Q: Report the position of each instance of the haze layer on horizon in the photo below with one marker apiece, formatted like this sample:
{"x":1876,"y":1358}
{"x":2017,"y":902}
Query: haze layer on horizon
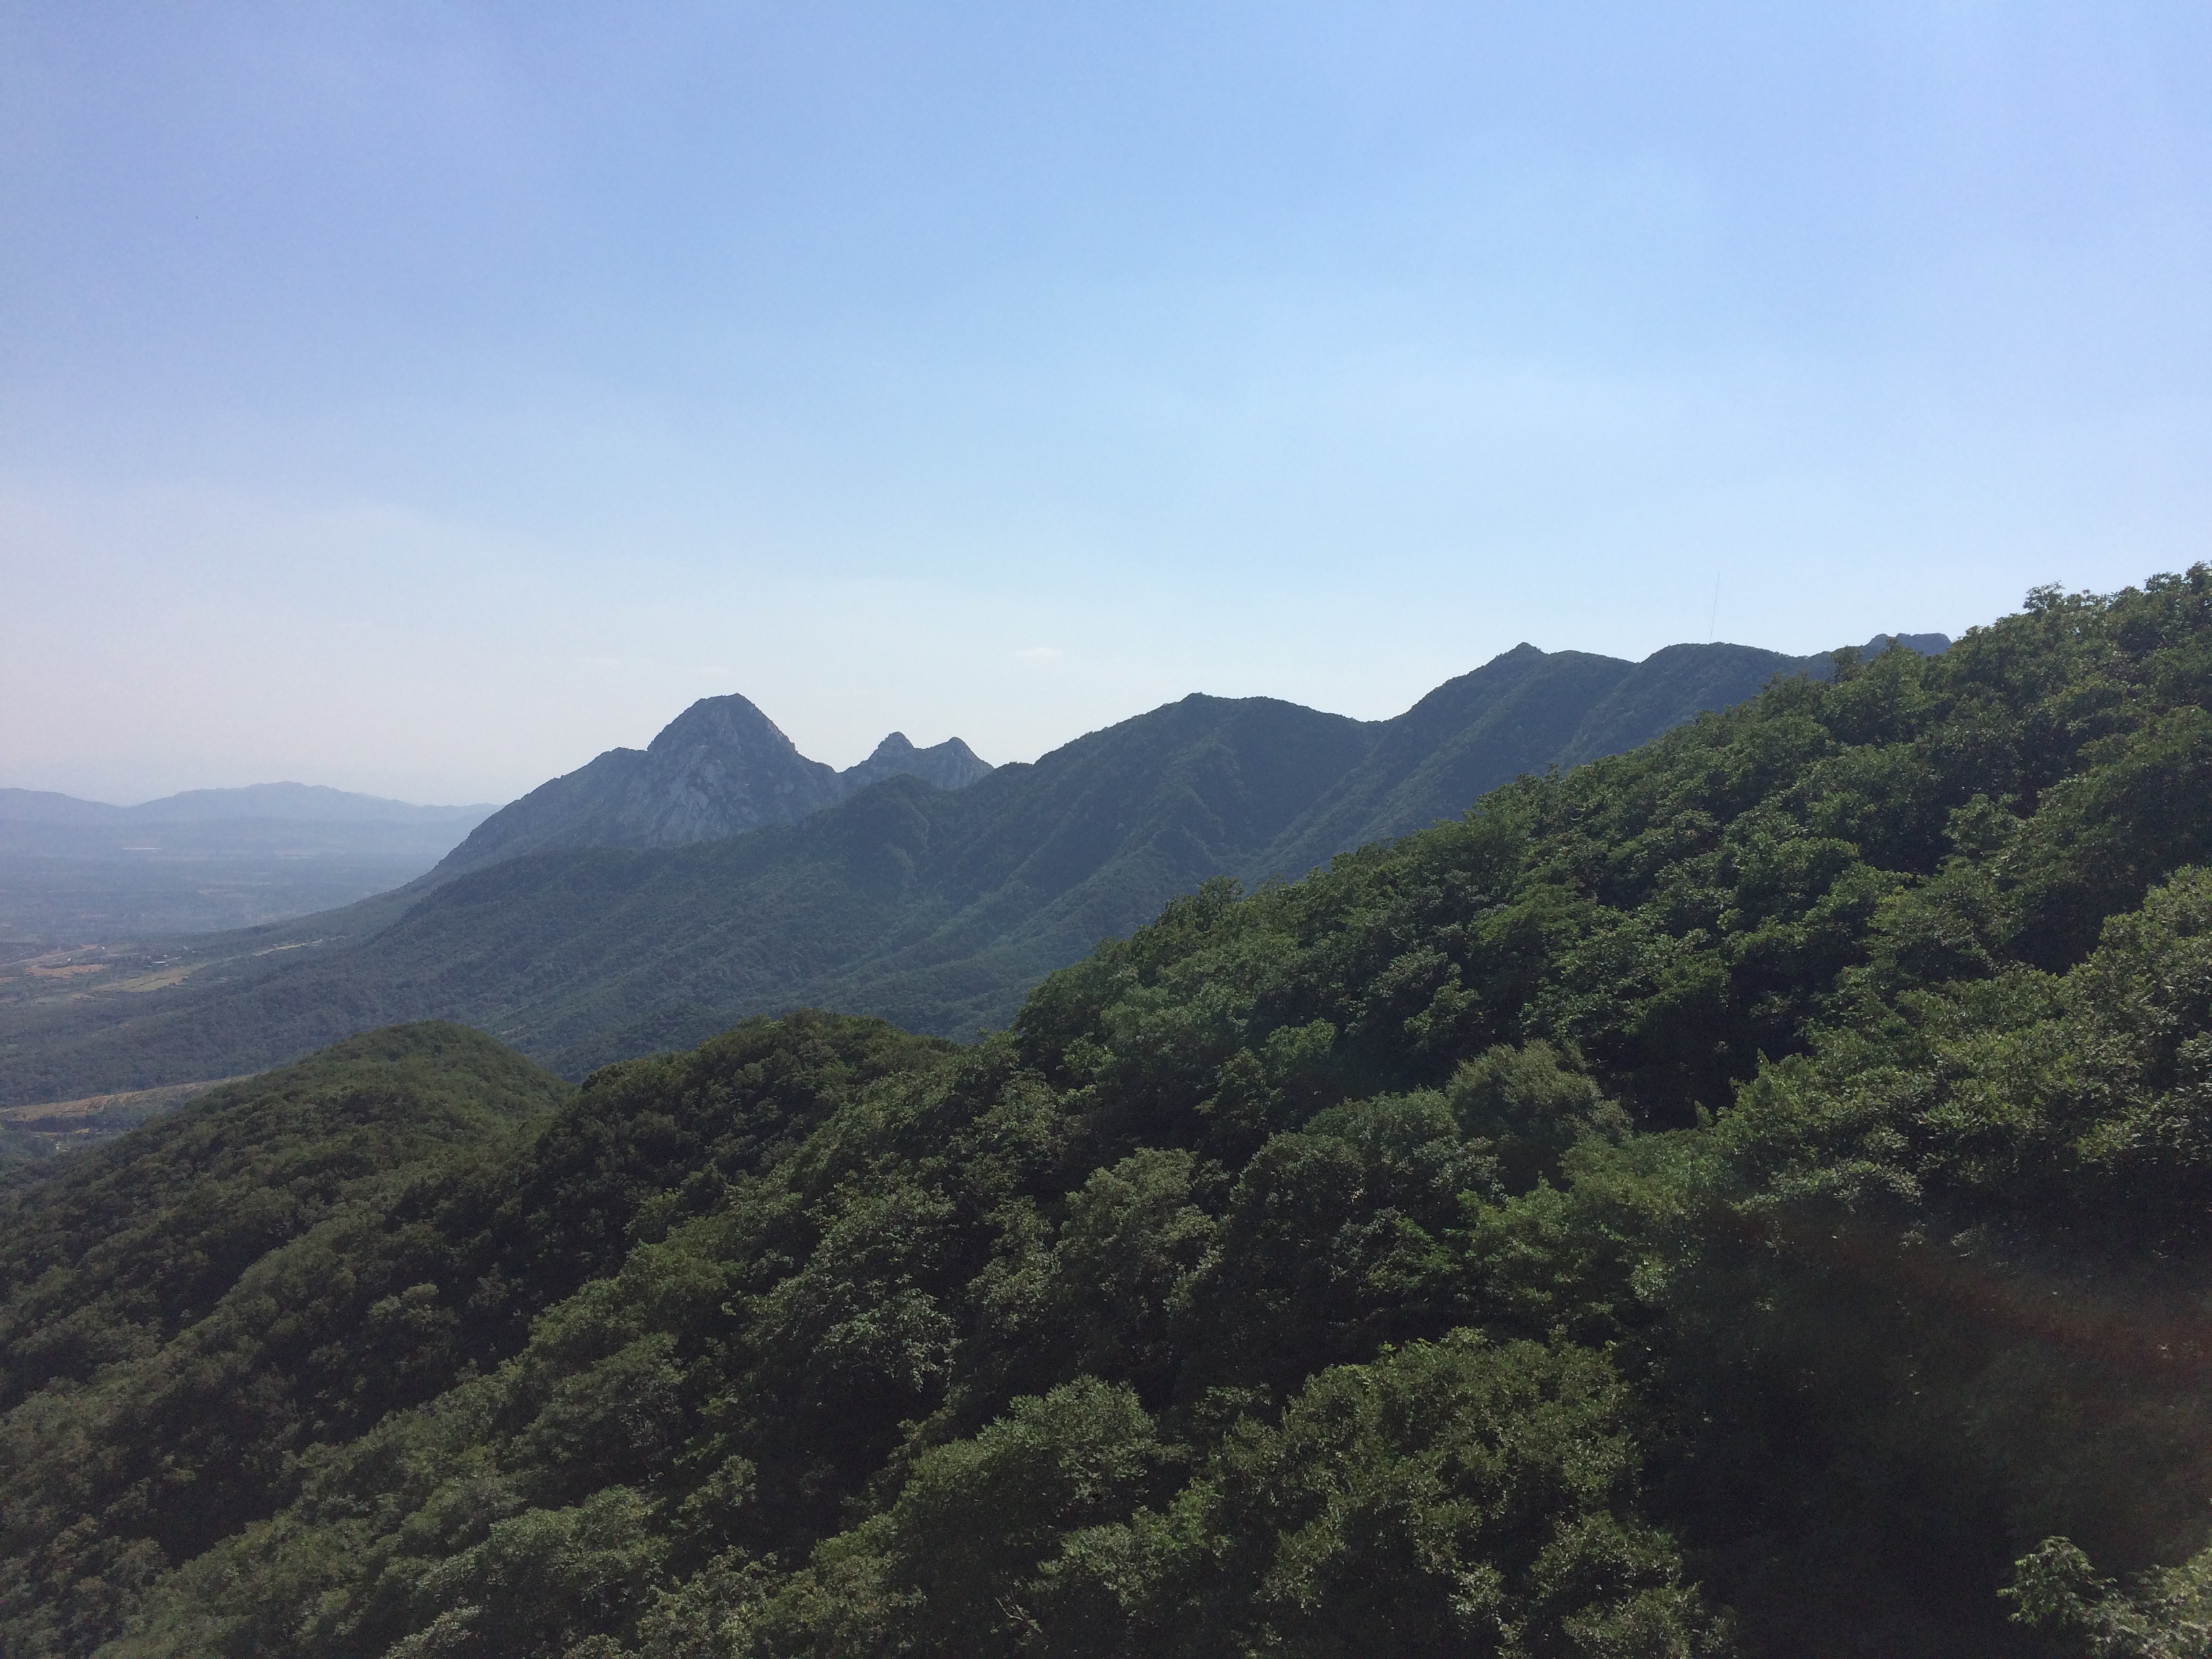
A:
{"x":419,"y":399}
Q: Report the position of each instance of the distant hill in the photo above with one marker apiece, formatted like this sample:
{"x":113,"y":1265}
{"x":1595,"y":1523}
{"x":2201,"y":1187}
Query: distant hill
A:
{"x":282,"y":803}
{"x":935,"y":909}
{"x":719,"y":767}
{"x":206,"y":860}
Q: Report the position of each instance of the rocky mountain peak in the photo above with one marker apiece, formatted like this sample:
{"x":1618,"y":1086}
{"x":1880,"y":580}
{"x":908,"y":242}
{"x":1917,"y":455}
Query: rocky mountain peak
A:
{"x":948,"y":765}
{"x":730,"y":723}
{"x":719,"y":767}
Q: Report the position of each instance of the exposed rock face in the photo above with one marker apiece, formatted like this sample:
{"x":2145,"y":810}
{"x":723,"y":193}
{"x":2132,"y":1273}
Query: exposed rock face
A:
{"x":719,"y":767}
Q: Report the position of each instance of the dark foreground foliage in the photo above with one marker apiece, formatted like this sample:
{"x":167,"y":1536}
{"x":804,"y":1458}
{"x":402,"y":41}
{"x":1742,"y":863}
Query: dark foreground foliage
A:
{"x":1750,"y":1194}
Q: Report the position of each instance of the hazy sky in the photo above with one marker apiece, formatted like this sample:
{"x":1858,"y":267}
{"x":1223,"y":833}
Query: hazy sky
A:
{"x":419,"y":399}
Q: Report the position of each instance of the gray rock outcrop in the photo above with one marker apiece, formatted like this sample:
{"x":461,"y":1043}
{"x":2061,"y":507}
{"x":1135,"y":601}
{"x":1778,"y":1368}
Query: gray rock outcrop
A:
{"x":720,"y":767}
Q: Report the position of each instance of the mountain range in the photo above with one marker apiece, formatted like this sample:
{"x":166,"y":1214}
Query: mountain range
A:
{"x":207,"y":860}
{"x":937,"y":908}
{"x":280,"y":803}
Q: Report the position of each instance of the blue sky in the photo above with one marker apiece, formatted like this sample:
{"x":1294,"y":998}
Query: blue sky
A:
{"x":419,"y":399}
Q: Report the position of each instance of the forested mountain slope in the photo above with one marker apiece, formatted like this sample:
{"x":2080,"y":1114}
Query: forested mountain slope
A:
{"x":1523,"y":712}
{"x":1746,"y":1195}
{"x":935,"y":909}
{"x":183,"y":1308}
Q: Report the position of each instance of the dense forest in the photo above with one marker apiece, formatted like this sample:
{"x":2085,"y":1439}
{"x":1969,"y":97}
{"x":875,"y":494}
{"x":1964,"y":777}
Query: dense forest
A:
{"x":1747,"y":1195}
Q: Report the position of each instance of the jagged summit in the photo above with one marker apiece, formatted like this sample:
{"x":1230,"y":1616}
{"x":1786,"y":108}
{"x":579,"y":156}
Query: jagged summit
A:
{"x":948,"y":765}
{"x":719,"y":767}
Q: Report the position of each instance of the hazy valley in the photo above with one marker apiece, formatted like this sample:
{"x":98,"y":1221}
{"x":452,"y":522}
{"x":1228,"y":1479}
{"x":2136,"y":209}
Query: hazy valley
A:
{"x":76,"y":872}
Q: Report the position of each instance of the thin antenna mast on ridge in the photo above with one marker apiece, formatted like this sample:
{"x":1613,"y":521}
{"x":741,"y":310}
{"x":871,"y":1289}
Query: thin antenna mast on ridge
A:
{"x":1713,"y":621}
